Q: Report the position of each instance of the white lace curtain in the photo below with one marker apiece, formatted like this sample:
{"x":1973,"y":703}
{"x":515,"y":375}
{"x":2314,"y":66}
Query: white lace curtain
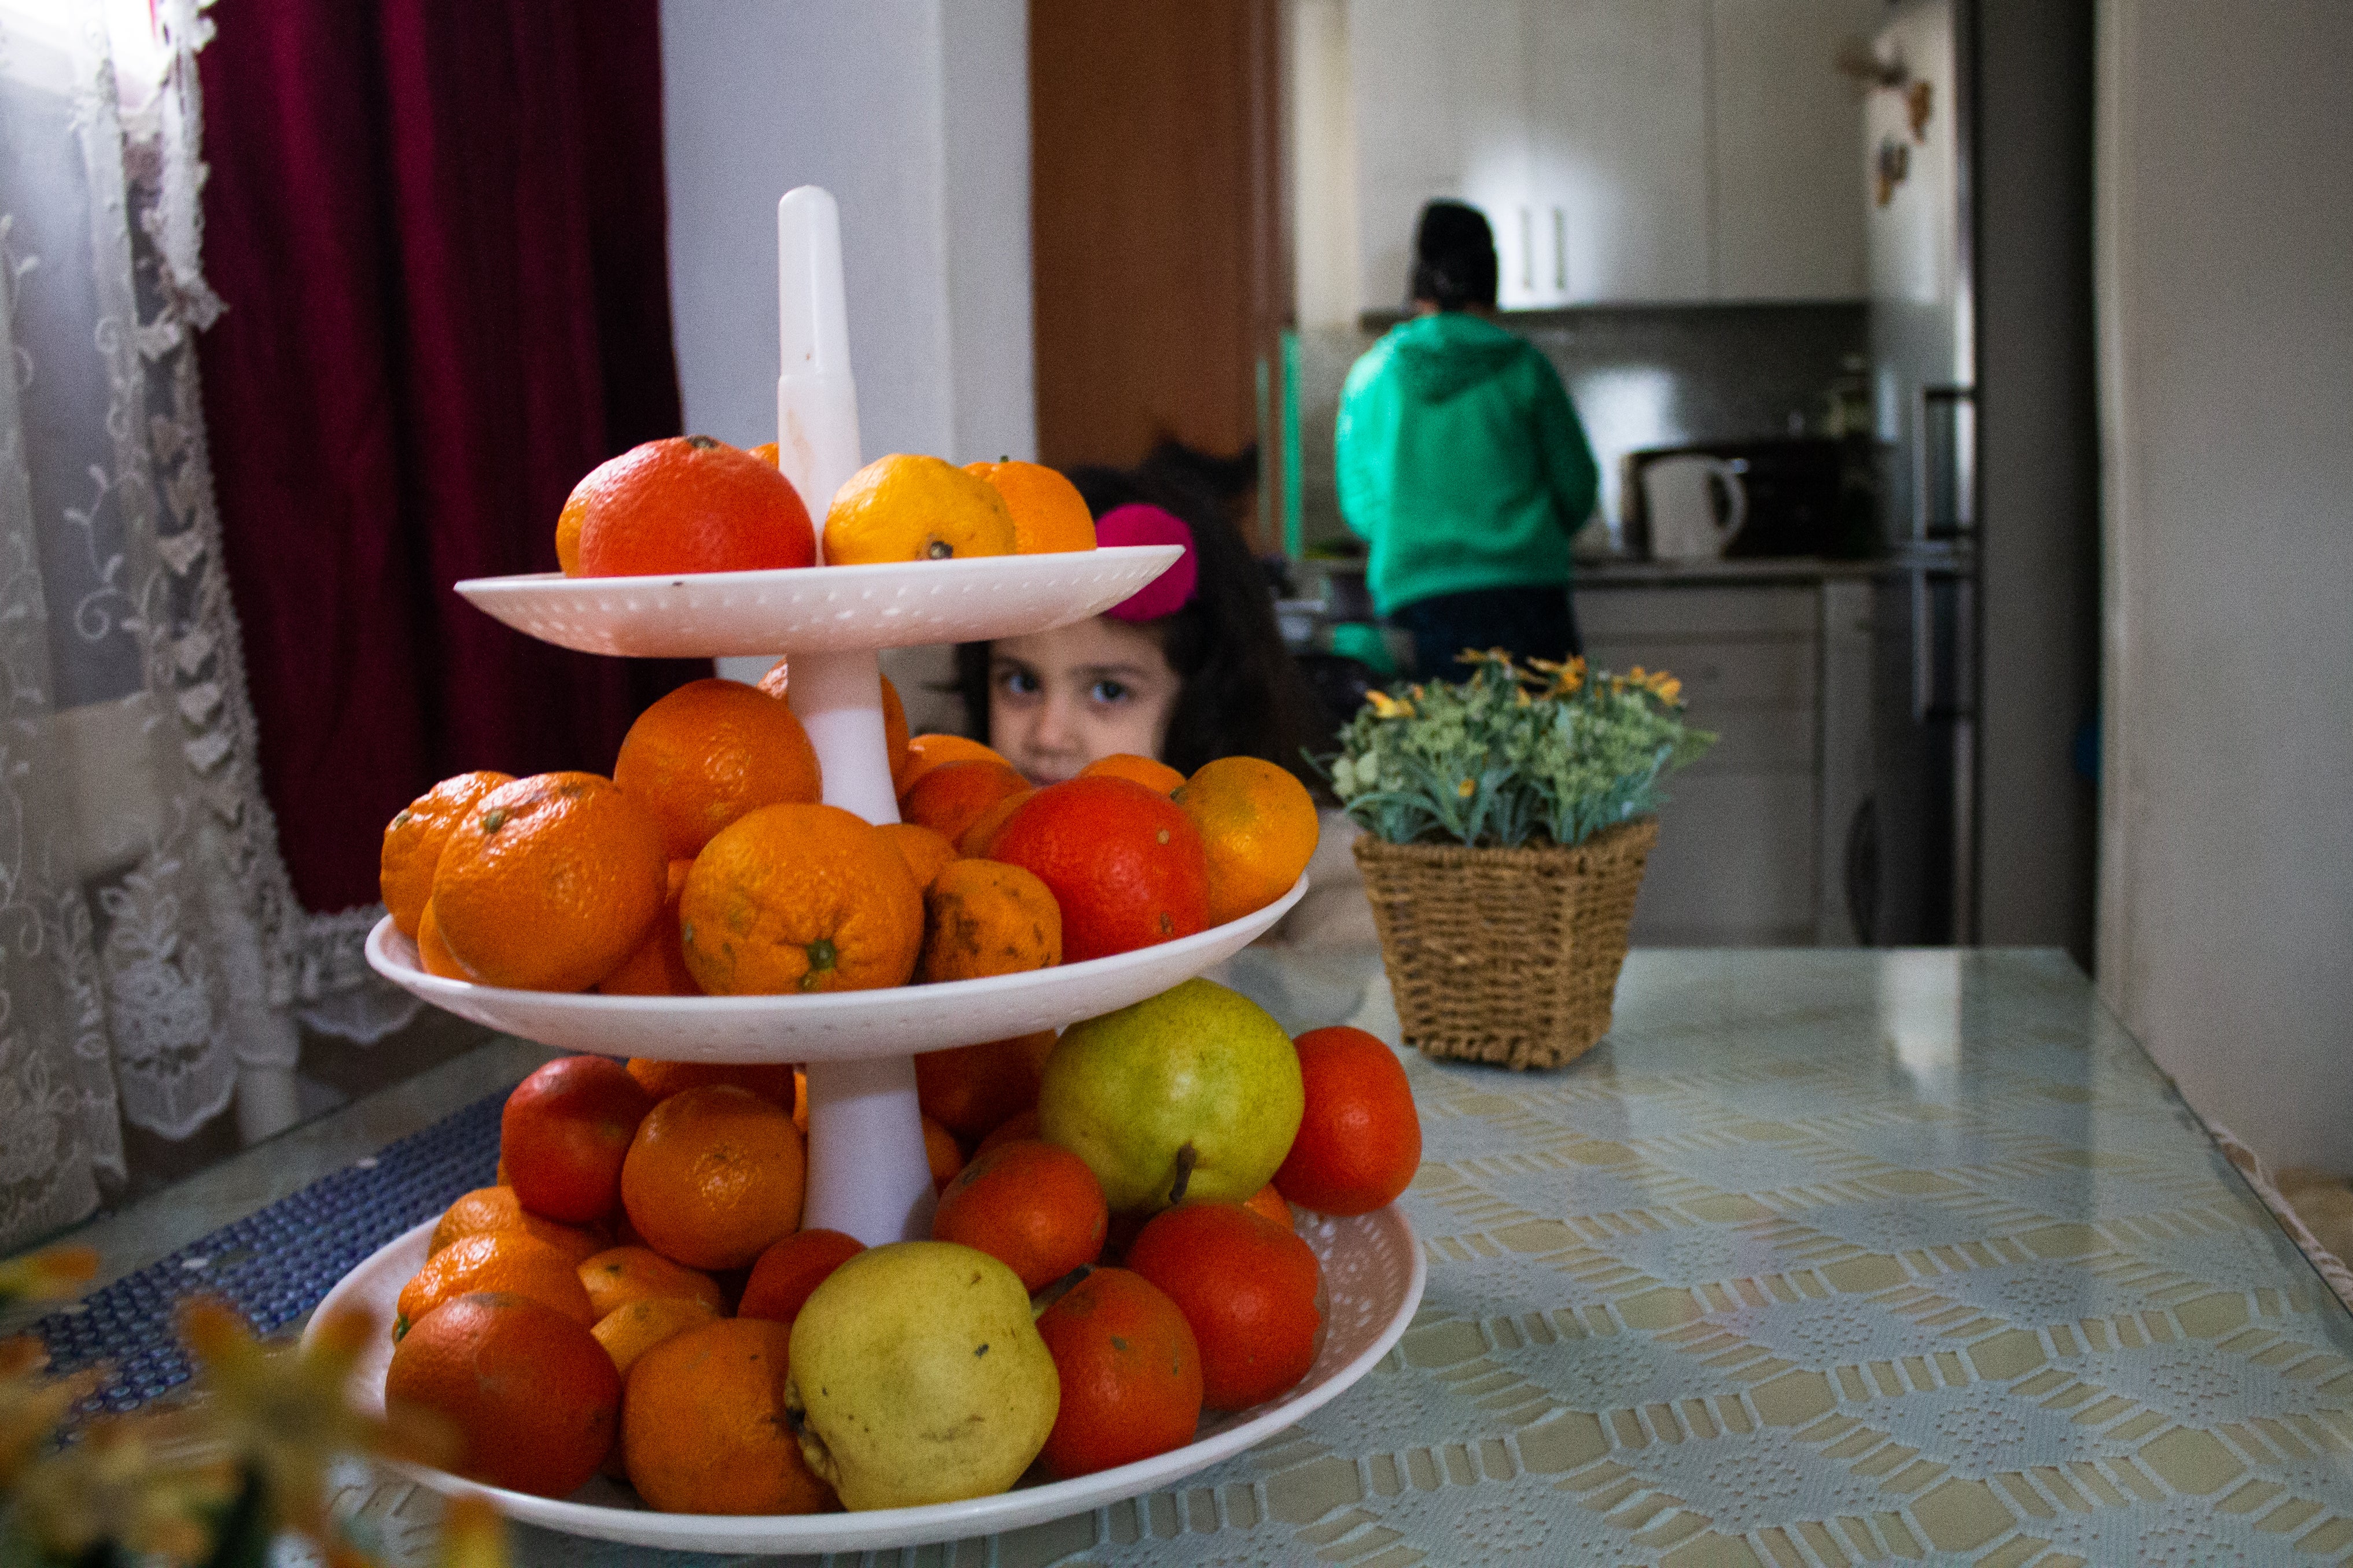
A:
{"x":153,"y":960}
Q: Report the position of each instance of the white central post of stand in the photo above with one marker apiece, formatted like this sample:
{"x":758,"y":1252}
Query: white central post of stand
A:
{"x":868,"y":1175}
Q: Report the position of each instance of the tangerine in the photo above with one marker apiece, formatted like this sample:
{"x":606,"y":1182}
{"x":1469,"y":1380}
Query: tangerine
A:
{"x":903,"y":506}
{"x":949,"y":799}
{"x":977,"y":838}
{"x":941,"y":1153}
{"x":563,"y":1133}
{"x":1258,"y":831}
{"x":629,"y":1331}
{"x":687,"y":503}
{"x":714,"y":1176}
{"x":777,"y":682}
{"x":1269,"y":1202}
{"x":507,"y":1260}
{"x":800,"y":898}
{"x":620,"y":1275}
{"x":983,"y":917}
{"x":1157,"y":776}
{"x":925,"y":752}
{"x":970,"y":1090}
{"x":550,"y":882}
{"x":497,"y":1208}
{"x":1126,"y":866}
{"x":1050,"y":516}
{"x":923,"y":849}
{"x":710,"y":751}
{"x":1130,"y":1372}
{"x":789,"y":1269}
{"x":658,"y":968}
{"x":1033,"y":1206}
{"x":772,"y":1081}
{"x":1246,"y":1288}
{"x":705,"y":1429}
{"x":413,"y":841}
{"x":433,"y":954}
{"x":533,"y":1397}
{"x":1020,"y":1126}
{"x":1360,"y":1140}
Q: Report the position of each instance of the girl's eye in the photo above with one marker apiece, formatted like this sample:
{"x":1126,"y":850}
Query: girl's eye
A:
{"x":1017,"y":682}
{"x":1107,"y":692}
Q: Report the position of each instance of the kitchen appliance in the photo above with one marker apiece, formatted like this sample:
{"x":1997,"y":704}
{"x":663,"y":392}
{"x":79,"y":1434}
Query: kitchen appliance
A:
{"x":1791,"y":496}
{"x":1912,"y":874}
{"x":1696,"y":504}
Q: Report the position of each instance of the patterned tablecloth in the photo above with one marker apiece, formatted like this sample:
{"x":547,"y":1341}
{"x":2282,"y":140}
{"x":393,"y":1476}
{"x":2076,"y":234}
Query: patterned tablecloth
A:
{"x":1822,"y":1258}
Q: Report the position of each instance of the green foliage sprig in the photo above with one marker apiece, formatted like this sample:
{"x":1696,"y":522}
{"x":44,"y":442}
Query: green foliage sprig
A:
{"x":1514,"y":754}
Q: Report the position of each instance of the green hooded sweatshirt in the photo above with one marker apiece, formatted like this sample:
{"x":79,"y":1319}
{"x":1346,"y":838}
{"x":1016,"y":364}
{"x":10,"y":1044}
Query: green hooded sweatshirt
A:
{"x":1461,"y":461}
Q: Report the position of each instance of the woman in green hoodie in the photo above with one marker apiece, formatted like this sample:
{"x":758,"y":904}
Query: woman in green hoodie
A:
{"x":1462,"y":464}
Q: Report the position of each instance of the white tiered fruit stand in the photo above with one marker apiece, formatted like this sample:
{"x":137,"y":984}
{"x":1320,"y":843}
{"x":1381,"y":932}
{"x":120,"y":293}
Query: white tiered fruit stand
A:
{"x":868,"y":1175}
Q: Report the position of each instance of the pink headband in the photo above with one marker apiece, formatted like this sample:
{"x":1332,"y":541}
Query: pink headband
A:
{"x":1137,"y":523}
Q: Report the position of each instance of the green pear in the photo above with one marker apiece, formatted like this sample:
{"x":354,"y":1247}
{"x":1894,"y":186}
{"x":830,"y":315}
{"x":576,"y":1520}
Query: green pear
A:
{"x":1194,"y":1093}
{"x":916,"y":1376}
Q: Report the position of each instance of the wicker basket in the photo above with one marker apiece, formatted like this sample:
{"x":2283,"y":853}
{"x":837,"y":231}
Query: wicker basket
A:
{"x":1506,"y":955}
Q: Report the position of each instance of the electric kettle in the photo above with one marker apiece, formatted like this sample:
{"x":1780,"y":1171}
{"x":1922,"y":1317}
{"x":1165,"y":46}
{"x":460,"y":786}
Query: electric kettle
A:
{"x":1696,"y":504}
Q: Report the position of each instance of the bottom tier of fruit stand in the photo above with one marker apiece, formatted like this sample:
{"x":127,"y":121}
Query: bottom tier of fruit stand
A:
{"x":1373,"y":1273}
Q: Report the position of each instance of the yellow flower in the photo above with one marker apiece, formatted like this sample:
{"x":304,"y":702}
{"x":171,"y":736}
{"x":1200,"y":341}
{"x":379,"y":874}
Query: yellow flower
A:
{"x":472,"y":1535}
{"x":1384,"y":706}
{"x":1566,"y":679}
{"x":152,"y":1484}
{"x":1467,"y":788}
{"x":52,"y":1276}
{"x":31,"y":1405}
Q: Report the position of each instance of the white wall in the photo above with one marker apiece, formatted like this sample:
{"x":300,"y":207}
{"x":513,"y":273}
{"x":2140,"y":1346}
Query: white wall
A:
{"x":1322,"y":162}
{"x":2226,"y":301}
{"x":915,"y":114}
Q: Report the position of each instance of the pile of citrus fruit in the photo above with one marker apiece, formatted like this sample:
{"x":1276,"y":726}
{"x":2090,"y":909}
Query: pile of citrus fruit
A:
{"x":690,"y":504}
{"x":705,"y":863}
{"x":1117,"y":1255}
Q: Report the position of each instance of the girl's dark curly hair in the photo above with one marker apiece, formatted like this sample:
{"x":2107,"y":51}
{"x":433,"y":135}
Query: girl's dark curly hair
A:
{"x":1241,"y":693}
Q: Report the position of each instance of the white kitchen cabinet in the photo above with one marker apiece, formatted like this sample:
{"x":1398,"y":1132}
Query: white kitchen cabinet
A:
{"x":1618,"y":202}
{"x":1626,"y":151}
{"x":1786,"y":154}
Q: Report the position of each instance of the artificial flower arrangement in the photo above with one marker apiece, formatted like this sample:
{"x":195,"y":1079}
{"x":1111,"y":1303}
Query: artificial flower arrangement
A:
{"x":1509,"y":818}
{"x":1544,"y":752}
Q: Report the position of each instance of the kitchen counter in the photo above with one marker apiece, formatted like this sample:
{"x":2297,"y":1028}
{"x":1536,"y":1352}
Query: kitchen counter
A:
{"x":1616,"y":573}
{"x":1821,"y":1257}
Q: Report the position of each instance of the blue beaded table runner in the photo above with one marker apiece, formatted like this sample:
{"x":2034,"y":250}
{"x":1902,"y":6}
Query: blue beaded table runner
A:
{"x":276,"y":1264}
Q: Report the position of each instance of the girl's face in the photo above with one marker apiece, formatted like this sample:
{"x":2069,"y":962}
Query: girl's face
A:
{"x":1060,"y":699}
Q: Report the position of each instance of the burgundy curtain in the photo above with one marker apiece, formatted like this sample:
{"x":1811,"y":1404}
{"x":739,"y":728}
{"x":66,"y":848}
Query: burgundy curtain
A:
{"x":439,"y":228}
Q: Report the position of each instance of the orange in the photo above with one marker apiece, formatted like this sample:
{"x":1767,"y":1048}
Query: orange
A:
{"x":800,"y":1100}
{"x":533,"y":1397}
{"x":705,"y":1429}
{"x":1050,"y":516}
{"x":1014,"y":1129}
{"x":1130,"y":1372}
{"x":714,"y":1176}
{"x":563,"y":1133}
{"x":629,"y":1331}
{"x":795,"y":1266}
{"x":977,"y":838}
{"x":925,"y":752}
{"x":549,"y":882}
{"x":1246,"y":1288}
{"x":772,"y":1081}
{"x":658,"y":968}
{"x":1124,"y":865}
{"x":710,"y":752}
{"x":1033,"y":1206}
{"x":949,"y":799}
{"x":971,"y":1089}
{"x":496,"y":1208}
{"x":800,"y":898}
{"x":505,"y":1260}
{"x":1270,"y":1203}
{"x":1145,"y":771}
{"x":981,"y":918}
{"x":434,"y":954}
{"x":765,"y":451}
{"x":1258,"y":830}
{"x":778,"y":681}
{"x":907,"y":508}
{"x":1360,"y":1140}
{"x":687,"y":503}
{"x":620,"y":1275}
{"x":941,"y":1153}
{"x":413,"y":841}
{"x":923,"y":848}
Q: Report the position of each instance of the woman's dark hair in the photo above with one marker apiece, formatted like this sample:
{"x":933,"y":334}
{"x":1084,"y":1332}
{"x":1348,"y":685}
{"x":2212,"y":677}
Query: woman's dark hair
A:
{"x":1453,"y":257}
{"x":1239,"y":693}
